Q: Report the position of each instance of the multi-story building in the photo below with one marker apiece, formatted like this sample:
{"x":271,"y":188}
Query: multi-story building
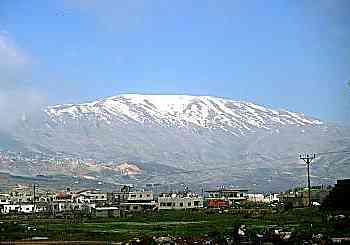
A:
{"x":224,"y":197}
{"x":263,"y":198}
{"x":5,"y":199}
{"x":100,"y":199}
{"x":81,"y":201}
{"x":133,"y":201}
{"x":179,"y":201}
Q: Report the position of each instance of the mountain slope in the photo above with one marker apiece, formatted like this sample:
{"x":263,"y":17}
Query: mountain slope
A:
{"x":181,"y":111}
{"x":191,"y":132}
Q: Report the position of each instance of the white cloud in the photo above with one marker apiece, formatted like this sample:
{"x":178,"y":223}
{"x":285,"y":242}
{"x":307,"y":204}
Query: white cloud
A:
{"x":16,"y":99}
{"x":9,"y":52}
{"x":14,"y":64}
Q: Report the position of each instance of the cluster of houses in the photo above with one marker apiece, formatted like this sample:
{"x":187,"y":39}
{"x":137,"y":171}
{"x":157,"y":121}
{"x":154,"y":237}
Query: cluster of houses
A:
{"x":28,"y":200}
{"x":298,"y":197}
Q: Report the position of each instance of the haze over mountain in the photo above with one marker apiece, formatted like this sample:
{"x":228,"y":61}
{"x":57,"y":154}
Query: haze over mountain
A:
{"x":222,"y":141}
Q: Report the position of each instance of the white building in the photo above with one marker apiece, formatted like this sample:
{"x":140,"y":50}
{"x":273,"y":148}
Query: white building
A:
{"x":228,"y":194}
{"x":91,"y":196}
{"x":257,"y":197}
{"x":179,"y":201}
{"x":22,"y":208}
{"x":136,"y":201}
{"x":81,"y":201}
{"x":138,"y":196}
{"x":274,"y":197}
{"x":5,"y":199}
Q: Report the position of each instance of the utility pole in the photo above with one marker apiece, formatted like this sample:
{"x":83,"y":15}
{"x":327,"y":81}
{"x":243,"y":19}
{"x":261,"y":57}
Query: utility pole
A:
{"x":34,"y":203}
{"x":308,"y":159}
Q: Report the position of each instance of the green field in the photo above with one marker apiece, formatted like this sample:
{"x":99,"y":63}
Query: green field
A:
{"x":194,"y":224}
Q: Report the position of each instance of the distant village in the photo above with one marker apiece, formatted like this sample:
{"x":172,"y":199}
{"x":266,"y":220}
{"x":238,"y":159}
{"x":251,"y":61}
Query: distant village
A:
{"x":34,"y":199}
{"x":128,"y":200}
{"x":28,"y":207}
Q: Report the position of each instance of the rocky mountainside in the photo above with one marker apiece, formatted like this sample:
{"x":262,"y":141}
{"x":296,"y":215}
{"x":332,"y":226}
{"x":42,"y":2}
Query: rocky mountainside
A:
{"x":181,"y":111}
{"x":219,"y":141}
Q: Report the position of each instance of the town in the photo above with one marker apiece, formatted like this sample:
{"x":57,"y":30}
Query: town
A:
{"x":31,"y":199}
{"x":34,"y":207}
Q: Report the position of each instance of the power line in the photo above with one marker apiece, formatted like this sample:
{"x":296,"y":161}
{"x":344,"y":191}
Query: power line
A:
{"x":332,"y":152}
{"x":308,"y":159}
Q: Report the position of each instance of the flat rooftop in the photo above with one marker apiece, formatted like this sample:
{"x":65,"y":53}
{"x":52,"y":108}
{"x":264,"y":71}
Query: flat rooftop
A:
{"x":228,"y":190}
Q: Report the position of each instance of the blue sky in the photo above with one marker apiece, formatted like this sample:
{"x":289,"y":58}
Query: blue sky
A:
{"x":282,"y":54}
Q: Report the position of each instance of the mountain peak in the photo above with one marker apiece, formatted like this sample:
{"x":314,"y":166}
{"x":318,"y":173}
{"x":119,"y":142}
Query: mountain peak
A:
{"x":182,"y":111}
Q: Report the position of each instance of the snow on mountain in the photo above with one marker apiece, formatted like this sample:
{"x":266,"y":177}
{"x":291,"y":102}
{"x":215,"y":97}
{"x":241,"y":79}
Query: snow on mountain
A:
{"x":163,"y":133}
{"x":181,"y":111}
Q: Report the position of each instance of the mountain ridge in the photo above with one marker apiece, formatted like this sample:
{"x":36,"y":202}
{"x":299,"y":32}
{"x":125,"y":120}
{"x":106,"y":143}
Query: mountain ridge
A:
{"x":181,"y":110}
{"x":192,"y":133}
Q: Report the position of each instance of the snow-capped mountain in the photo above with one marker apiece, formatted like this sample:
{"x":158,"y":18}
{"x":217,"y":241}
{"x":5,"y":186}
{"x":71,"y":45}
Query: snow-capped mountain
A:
{"x":240,"y":142}
{"x":182,"y":111}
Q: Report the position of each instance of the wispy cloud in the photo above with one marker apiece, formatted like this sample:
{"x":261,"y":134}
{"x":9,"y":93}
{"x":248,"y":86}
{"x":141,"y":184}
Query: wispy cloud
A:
{"x":14,"y":64}
{"x":16,"y":99}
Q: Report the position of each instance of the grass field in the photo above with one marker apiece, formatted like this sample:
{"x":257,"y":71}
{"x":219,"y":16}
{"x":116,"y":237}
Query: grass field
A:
{"x":191,"y":223}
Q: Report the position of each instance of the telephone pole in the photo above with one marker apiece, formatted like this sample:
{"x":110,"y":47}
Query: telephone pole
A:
{"x":308,"y":159}
{"x":34,"y":198}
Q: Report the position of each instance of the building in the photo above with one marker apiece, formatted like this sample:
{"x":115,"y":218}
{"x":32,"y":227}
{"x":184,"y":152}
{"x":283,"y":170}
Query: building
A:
{"x":100,"y":199}
{"x":21,"y":200}
{"x":261,"y":198}
{"x":222,"y":197}
{"x":4,"y":199}
{"x":256,"y":197}
{"x":24,"y":199}
{"x":300,"y":197}
{"x":106,"y":212}
{"x":134,"y":201}
{"x":23,"y":194}
{"x":218,"y":203}
{"x":179,"y":201}
{"x":273,"y":197}
{"x":22,"y":208}
{"x":339,"y":196}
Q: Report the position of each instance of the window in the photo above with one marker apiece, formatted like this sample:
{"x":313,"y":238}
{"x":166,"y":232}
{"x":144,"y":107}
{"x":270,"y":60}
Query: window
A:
{"x":189,"y":204}
{"x":181,"y":204}
{"x":196,"y":203}
{"x":241,"y":195}
{"x":148,"y":195}
{"x":235,"y":194}
{"x":133,"y":196}
{"x":168,"y":204}
{"x":135,"y":207}
{"x":140,"y":195}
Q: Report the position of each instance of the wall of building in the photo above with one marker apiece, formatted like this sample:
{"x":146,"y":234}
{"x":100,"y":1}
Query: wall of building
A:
{"x":180,"y":202}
